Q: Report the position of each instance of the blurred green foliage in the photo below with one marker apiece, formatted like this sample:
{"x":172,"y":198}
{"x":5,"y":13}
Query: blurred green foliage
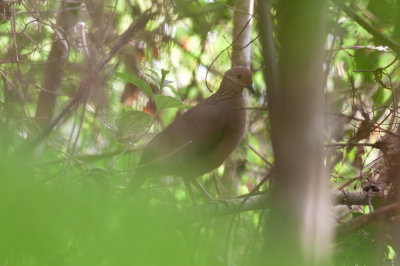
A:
{"x":62,"y":203}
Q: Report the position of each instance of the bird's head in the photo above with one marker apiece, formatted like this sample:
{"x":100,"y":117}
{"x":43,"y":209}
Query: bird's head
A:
{"x":241,"y":77}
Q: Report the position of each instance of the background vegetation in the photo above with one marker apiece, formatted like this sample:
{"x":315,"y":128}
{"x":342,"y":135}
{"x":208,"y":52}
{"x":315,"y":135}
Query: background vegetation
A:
{"x":86,"y":84}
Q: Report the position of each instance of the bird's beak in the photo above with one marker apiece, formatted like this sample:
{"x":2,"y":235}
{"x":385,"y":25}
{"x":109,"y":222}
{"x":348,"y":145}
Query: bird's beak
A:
{"x":251,"y":89}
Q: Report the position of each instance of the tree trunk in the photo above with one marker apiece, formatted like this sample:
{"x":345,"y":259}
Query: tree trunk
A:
{"x":242,"y":27}
{"x":299,"y":221}
{"x":54,"y":67}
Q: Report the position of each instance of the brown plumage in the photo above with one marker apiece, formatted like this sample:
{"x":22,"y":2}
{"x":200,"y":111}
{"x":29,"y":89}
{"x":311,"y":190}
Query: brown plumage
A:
{"x":201,"y":139}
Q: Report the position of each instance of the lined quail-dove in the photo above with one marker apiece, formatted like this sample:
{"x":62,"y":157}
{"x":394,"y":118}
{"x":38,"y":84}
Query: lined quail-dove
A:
{"x":200,"y":139}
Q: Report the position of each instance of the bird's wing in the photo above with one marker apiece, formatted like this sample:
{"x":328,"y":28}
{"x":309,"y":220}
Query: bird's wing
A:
{"x":175,"y":150}
{"x":190,"y":136}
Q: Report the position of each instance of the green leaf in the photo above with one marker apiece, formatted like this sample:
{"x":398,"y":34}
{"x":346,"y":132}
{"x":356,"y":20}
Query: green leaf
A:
{"x":173,"y":89}
{"x":163,"y":102}
{"x":166,"y":82}
{"x":155,"y":80}
{"x":133,"y":123}
{"x":133,"y":79}
{"x":352,"y":154}
{"x":156,"y":75}
{"x":164,"y":72}
{"x":391,"y":253}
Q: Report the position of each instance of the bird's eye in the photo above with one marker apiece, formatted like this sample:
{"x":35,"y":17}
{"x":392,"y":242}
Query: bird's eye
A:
{"x":239,"y":76}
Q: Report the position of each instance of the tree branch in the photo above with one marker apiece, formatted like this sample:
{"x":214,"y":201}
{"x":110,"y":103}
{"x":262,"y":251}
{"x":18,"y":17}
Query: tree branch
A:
{"x":374,"y":217}
{"x":370,"y":29}
{"x":265,"y":25}
{"x":263,"y":201}
{"x":85,"y":86}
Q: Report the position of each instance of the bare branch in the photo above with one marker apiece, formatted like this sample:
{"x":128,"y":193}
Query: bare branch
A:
{"x":262,"y":201}
{"x":383,"y":213}
{"x":369,"y":28}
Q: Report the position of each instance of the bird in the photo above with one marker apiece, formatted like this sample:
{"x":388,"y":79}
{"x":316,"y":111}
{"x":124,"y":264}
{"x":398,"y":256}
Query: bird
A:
{"x":199,"y":140}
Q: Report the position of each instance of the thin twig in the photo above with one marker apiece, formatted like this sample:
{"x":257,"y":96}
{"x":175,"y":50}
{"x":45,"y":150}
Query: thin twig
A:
{"x":342,"y":145}
{"x":261,"y":156}
{"x":385,"y":213}
{"x":86,"y":84}
{"x":230,"y":45}
{"x":369,"y":28}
